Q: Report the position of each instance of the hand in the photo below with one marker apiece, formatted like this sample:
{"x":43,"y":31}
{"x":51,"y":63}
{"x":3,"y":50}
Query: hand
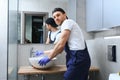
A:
{"x":44,"y":60}
{"x":38,"y":53}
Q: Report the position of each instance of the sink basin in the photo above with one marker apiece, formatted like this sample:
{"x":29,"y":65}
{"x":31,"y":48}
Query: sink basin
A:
{"x":34,"y":62}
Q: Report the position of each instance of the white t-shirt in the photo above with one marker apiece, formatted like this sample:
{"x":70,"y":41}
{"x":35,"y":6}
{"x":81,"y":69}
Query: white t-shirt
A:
{"x":54,"y":35}
{"x":76,"y":39}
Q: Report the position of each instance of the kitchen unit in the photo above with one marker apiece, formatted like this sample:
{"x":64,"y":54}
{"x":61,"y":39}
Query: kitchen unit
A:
{"x":94,"y":16}
{"x":102,"y":14}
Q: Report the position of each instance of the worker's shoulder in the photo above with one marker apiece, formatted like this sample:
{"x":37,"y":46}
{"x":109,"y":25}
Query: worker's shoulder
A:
{"x":69,"y":21}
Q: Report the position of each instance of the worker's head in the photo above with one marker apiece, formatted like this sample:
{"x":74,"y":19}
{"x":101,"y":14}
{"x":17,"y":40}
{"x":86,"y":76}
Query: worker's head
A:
{"x":50,"y":23}
{"x":59,"y":15}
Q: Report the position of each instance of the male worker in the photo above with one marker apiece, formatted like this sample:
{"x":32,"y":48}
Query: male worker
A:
{"x":72,"y":40}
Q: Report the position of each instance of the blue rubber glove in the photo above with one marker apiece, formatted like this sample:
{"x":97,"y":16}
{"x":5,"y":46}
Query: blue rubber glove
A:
{"x":44,"y":60}
{"x":38,"y":53}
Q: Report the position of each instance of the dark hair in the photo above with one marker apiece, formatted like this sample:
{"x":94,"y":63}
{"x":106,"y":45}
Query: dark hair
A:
{"x":51,"y":22}
{"x":58,"y":9}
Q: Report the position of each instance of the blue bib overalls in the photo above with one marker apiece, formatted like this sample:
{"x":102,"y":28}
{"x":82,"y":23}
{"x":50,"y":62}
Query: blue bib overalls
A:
{"x":54,"y":38}
{"x":78,"y":64}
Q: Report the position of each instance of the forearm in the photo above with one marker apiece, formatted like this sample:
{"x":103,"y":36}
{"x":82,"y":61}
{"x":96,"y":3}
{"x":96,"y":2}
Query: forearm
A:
{"x":59,"y":47}
{"x":56,"y":50}
{"x":47,"y":41}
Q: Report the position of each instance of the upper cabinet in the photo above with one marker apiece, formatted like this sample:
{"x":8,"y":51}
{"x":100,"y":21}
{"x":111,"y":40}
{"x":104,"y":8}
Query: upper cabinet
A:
{"x":102,"y":14}
{"x":111,"y":13}
{"x":93,"y":15}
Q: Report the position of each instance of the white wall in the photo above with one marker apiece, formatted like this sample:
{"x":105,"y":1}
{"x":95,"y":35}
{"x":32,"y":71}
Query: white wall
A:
{"x":42,"y":5}
{"x":72,"y":9}
{"x":98,"y":52}
{"x":106,"y":66}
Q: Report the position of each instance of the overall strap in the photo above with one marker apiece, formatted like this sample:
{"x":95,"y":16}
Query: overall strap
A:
{"x":56,"y":35}
{"x":50,"y":37}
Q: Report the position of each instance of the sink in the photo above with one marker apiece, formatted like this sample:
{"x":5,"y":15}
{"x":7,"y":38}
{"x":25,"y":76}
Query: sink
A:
{"x":34,"y":62}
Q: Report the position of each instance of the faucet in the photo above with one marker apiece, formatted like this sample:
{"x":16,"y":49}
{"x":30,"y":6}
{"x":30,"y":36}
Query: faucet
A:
{"x":31,"y":52}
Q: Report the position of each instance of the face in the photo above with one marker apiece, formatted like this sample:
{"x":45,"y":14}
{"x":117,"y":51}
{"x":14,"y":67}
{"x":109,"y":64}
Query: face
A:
{"x":59,"y":17}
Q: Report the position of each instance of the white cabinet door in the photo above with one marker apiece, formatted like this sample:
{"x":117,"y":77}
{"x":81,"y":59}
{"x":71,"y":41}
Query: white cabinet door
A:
{"x":94,"y":15}
{"x":111,"y":13}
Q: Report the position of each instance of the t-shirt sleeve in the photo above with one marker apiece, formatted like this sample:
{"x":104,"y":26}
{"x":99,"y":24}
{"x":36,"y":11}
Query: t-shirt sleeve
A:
{"x":67,"y":24}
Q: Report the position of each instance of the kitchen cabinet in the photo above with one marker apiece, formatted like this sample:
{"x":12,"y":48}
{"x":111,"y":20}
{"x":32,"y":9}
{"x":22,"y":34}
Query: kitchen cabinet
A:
{"x":94,"y":15}
{"x":111,"y":13}
{"x":102,"y":14}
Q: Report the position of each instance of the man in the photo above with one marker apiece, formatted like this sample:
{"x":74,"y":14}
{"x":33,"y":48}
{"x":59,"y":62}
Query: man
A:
{"x":72,"y":40}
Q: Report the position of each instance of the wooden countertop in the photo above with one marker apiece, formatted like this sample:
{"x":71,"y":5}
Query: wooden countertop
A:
{"x":28,"y":70}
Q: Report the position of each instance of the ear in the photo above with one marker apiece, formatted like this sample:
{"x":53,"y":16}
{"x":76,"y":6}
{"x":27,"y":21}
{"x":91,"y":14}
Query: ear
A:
{"x":65,"y":16}
{"x":49,"y":26}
